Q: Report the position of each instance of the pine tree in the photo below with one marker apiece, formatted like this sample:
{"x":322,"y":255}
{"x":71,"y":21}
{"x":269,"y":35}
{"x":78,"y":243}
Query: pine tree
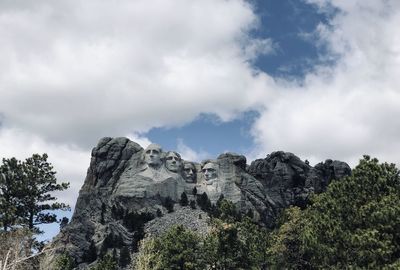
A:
{"x":106,"y":263}
{"x":228,"y":211}
{"x":103,"y":210}
{"x":204,"y":202}
{"x":124,"y":257}
{"x":354,"y":223}
{"x":192,"y":204}
{"x":64,"y":262}
{"x":184,"y":199}
{"x":26,"y":190}
{"x":224,"y":249}
{"x":63,"y":222}
{"x":169,"y":204}
{"x":11,"y":191}
{"x":91,"y":254}
{"x":180,"y":248}
{"x":38,"y":185}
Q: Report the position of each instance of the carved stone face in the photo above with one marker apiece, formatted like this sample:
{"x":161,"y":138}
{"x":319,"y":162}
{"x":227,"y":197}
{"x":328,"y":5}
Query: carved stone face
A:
{"x":173,"y":161}
{"x":189,"y":172}
{"x":210,"y":171}
{"x":152,"y":155}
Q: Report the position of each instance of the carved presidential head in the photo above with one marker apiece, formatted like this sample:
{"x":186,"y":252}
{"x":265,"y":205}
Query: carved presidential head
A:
{"x":152,"y":155}
{"x":189,"y":172}
{"x":210,"y":170}
{"x":173,"y":161}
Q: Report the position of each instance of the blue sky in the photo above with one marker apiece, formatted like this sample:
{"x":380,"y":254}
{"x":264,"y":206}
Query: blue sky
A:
{"x":318,"y":78}
{"x":284,"y":22}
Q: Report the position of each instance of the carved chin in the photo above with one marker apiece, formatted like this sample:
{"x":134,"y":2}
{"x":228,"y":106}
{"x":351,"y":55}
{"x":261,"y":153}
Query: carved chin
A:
{"x":154,"y":163}
{"x":172,"y":168}
{"x":210,"y":178}
{"x":189,"y":179}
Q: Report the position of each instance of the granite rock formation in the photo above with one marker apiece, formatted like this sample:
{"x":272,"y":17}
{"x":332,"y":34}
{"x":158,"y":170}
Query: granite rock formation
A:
{"x":128,"y":192}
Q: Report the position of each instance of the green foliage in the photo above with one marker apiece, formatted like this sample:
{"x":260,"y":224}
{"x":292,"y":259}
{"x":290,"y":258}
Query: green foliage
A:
{"x":192,"y":204}
{"x":355,"y":223}
{"x":124,"y":257}
{"x":180,"y":249}
{"x":224,"y":249}
{"x":27,"y":189}
{"x":39,"y":184}
{"x":204,"y":202}
{"x":255,"y":241}
{"x":103,"y":210}
{"x":227,"y":211}
{"x":107,"y":263}
{"x":287,"y":252}
{"x":177,"y":249}
{"x":184,"y":199}
{"x":90,"y":255}
{"x":168,"y":203}
{"x":134,"y":222}
{"x":117,"y":212}
{"x":63,"y":222}
{"x":64,"y":262}
{"x":237,"y":245}
{"x":148,"y":257}
{"x":11,"y":180}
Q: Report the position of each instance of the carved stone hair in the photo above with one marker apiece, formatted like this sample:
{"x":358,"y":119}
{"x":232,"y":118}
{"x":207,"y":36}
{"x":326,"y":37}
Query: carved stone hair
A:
{"x":176,"y":153}
{"x":204,"y":162}
{"x":152,"y":146}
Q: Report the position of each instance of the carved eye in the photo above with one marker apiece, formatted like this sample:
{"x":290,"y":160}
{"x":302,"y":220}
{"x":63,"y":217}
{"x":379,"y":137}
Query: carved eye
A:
{"x":210,"y":170}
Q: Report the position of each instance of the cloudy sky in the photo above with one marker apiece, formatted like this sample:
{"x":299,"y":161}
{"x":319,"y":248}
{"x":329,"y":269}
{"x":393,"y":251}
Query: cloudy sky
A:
{"x":319,"y":78}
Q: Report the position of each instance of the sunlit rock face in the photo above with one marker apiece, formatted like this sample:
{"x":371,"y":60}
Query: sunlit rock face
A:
{"x":127,"y":186}
{"x":154,"y":174}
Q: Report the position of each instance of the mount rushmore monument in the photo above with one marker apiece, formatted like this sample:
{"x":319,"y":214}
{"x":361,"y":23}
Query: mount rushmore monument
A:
{"x":124,"y":195}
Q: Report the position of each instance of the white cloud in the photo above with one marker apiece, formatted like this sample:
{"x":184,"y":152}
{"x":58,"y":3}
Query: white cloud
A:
{"x":257,"y":47}
{"x":140,"y":139}
{"x":69,"y":161}
{"x":190,"y":154}
{"x":77,"y":71}
{"x":352,"y":108}
{"x":73,"y":72}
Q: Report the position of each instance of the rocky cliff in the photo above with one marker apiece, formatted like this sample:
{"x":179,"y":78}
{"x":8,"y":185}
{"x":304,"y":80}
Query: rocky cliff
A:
{"x":128,"y":192}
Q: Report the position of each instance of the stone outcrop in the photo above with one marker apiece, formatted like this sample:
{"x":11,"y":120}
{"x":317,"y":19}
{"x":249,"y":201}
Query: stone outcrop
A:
{"x":287,"y":180}
{"x":128,"y":192}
